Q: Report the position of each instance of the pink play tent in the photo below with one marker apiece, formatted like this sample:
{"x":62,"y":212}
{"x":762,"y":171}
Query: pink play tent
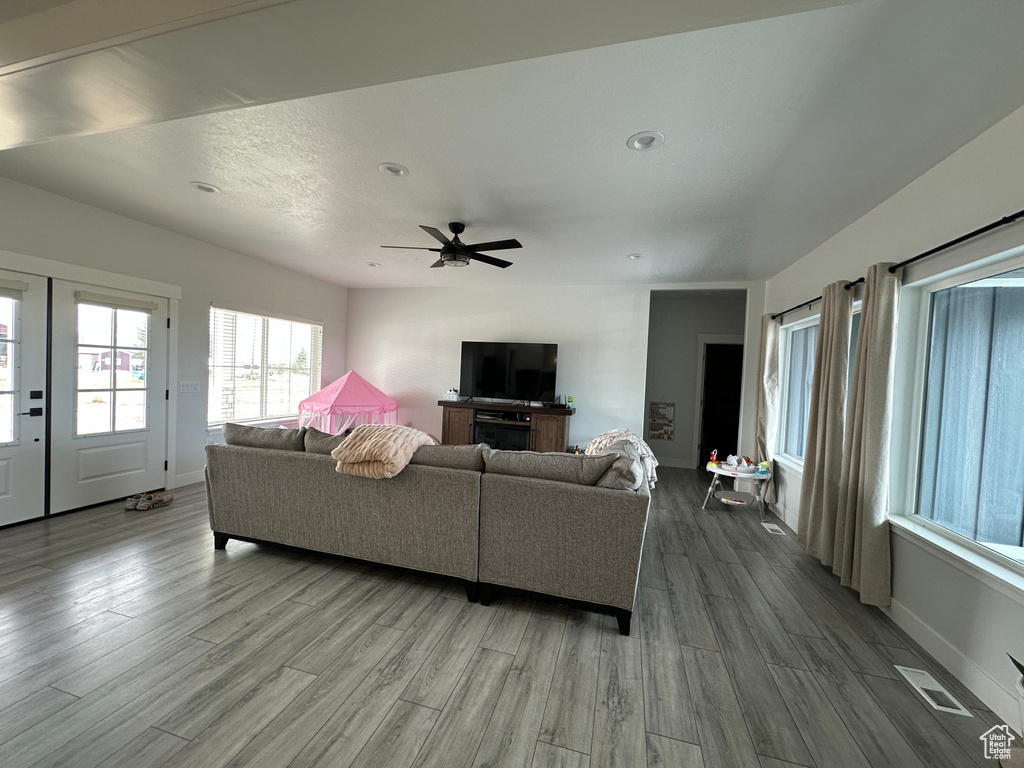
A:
{"x":347,"y":402}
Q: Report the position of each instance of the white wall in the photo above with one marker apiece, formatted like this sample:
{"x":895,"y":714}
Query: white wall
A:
{"x":945,"y":608}
{"x":677,"y":319}
{"x":43,"y":225}
{"x":407,"y":342}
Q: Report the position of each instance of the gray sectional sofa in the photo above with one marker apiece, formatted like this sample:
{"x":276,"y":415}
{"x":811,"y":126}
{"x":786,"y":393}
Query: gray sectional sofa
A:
{"x":556,"y":525}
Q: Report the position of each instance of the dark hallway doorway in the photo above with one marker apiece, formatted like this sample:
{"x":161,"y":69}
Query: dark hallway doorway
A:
{"x":720,"y":401}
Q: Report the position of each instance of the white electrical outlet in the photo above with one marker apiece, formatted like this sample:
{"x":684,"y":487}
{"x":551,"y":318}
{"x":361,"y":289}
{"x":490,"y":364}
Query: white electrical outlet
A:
{"x":188,"y":386}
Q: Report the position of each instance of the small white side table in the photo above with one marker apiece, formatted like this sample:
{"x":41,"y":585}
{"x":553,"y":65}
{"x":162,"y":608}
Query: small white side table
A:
{"x":737,"y":497}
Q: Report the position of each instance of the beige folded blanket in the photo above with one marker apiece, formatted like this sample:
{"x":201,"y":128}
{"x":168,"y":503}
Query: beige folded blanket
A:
{"x":378,"y":450}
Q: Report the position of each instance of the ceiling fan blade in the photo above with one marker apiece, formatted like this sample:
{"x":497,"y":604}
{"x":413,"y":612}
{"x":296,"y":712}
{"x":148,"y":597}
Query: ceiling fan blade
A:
{"x":412,"y":248}
{"x":435,"y":233}
{"x":497,"y":245}
{"x":490,"y":260}
{"x":438,"y":263}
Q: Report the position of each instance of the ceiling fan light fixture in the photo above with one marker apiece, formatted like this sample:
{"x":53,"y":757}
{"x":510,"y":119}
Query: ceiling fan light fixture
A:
{"x":393,"y":169}
{"x":645,"y":141}
{"x":457,"y":260}
{"x":203,"y":186}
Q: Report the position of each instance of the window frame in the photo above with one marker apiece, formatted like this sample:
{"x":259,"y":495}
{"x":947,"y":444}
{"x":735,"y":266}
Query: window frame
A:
{"x":14,"y":339}
{"x":785,"y":348}
{"x":912,"y":368}
{"x":265,"y":320}
{"x":113,"y":390}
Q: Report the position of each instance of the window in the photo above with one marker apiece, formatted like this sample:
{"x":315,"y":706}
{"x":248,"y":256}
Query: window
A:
{"x":8,"y":367}
{"x":110,"y":371}
{"x":971,"y":478}
{"x":260,"y":367}
{"x":797,"y":395}
{"x":800,"y":350}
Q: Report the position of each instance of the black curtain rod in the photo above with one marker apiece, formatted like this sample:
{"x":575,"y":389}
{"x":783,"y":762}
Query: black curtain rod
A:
{"x":937,"y":249}
{"x":987,"y":228}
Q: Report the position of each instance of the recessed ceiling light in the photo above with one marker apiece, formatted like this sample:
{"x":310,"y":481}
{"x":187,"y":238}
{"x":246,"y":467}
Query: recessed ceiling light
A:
{"x":202,"y":186}
{"x":635,"y":256}
{"x":373,"y":264}
{"x":645,"y":140}
{"x":393,"y":169}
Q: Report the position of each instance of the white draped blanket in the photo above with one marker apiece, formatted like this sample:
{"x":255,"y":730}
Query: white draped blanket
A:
{"x":599,"y":443}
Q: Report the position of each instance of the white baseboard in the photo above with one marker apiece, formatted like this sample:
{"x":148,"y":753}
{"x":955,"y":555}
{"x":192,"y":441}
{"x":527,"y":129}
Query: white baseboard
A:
{"x":792,"y":519}
{"x":188,"y":478}
{"x":977,"y":680}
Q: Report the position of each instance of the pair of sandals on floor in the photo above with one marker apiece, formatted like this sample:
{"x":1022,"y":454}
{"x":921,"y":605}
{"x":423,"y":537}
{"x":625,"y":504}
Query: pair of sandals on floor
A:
{"x":144,"y":501}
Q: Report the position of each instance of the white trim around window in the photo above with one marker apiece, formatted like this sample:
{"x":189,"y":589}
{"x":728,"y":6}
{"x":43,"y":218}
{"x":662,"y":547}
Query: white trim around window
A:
{"x":785,"y":349}
{"x":1004,"y":573}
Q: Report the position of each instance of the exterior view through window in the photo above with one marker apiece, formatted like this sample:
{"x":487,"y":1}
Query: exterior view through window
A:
{"x":799,"y":377}
{"x":972,"y":450}
{"x":260,"y":367}
{"x":111,"y":364}
{"x":8,"y":367}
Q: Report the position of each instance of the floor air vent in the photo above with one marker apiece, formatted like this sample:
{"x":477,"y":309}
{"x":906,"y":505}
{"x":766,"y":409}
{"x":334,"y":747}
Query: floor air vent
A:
{"x":932,"y":691}
{"x":773,"y":528}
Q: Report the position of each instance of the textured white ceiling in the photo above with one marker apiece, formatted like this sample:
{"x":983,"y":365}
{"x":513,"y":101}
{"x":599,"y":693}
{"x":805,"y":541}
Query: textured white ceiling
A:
{"x":779,"y":132}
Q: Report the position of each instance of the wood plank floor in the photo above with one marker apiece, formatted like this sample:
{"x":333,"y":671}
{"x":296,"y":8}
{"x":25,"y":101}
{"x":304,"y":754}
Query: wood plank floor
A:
{"x":127,"y":640}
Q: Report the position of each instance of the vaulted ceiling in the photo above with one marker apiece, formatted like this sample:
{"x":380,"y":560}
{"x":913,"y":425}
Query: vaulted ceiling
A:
{"x":784,"y":121}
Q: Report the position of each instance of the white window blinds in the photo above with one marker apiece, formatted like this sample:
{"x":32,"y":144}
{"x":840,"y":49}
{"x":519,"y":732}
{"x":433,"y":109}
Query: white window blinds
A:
{"x":260,"y":367}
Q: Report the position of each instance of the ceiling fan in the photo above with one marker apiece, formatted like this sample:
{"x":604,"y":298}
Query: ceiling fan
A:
{"x":455,"y":253}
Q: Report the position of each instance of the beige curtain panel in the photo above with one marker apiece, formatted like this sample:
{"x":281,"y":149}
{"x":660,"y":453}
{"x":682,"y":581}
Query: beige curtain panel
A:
{"x":766,"y":410}
{"x":823,"y":454}
{"x":862,"y":558}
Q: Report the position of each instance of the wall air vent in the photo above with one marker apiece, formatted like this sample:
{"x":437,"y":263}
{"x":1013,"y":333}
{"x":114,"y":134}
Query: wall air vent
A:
{"x":932,"y":691}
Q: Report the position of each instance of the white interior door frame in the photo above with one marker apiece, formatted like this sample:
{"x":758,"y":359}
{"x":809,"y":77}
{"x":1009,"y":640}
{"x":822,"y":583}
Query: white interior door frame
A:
{"x":703,"y":339}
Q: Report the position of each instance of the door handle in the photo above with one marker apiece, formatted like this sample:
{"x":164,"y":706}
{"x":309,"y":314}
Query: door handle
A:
{"x":32,"y":412}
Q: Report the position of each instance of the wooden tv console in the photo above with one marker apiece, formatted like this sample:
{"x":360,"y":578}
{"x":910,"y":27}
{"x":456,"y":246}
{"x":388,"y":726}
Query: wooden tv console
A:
{"x":520,"y":426}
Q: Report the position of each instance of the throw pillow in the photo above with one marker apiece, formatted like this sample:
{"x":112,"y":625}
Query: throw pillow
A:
{"x":378,"y":450}
{"x":258,"y":437}
{"x":451,"y":456}
{"x":321,"y":442}
{"x":560,"y":467}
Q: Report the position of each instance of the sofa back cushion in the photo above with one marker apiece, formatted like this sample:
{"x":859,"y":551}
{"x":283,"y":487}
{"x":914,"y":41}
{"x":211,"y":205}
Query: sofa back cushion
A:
{"x":321,"y":442}
{"x":469,"y":457}
{"x":561,"y":467}
{"x":627,"y":471}
{"x":258,"y":437}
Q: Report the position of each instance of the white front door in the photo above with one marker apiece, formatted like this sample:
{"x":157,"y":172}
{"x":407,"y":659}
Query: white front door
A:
{"x":22,"y":392}
{"x":109,"y":409}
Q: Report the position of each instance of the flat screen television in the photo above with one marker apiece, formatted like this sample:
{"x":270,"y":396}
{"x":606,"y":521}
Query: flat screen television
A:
{"x":508,"y":370}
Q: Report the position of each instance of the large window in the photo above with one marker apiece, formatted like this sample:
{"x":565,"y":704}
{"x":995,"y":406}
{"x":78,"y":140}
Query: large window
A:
{"x":799,"y":373}
{"x":260,"y":367}
{"x":972,"y":450}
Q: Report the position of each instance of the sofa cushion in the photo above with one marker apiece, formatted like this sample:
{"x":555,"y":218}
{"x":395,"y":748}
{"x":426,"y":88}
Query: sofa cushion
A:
{"x":561,"y":467}
{"x":259,"y":437}
{"x":451,"y":456}
{"x":627,"y":471}
{"x":321,"y":442}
